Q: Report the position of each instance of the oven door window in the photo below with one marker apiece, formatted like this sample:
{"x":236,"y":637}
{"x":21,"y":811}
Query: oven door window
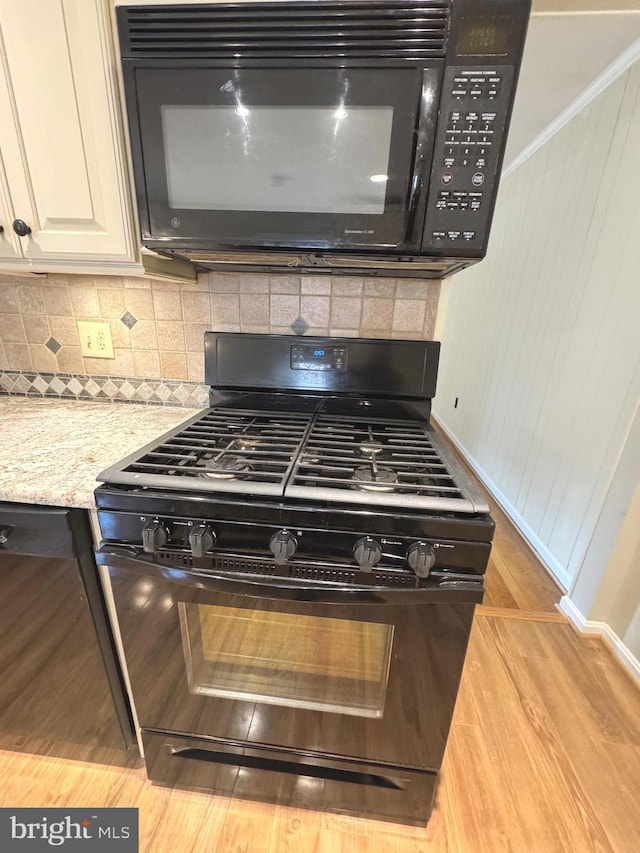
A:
{"x":278,"y":157}
{"x":312,"y":662}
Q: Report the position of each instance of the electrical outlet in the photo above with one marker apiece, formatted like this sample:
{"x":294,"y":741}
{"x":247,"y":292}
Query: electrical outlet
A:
{"x":95,"y":339}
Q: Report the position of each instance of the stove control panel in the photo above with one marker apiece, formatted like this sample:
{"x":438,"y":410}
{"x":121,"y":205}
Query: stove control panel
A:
{"x":317,"y":357}
{"x":206,"y":541}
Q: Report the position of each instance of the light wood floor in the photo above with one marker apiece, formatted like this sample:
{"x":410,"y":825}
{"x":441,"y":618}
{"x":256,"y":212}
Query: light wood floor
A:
{"x":543,"y":756}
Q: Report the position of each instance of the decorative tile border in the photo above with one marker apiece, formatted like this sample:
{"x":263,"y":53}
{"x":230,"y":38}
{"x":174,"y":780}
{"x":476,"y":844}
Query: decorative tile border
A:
{"x":163,"y":392}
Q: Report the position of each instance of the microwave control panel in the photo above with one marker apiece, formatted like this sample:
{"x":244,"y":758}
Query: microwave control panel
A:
{"x":468,"y":151}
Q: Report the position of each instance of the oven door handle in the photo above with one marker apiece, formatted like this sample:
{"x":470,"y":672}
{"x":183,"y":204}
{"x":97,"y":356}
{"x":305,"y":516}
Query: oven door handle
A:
{"x":437,"y":591}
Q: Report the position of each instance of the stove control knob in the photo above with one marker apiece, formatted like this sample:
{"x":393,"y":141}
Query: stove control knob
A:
{"x":202,"y":539}
{"x":367,"y":552}
{"x":421,"y":557}
{"x":283,"y":545}
{"x":154,"y":536}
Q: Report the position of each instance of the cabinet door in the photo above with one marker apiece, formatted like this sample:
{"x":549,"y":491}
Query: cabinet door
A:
{"x":59,"y":130}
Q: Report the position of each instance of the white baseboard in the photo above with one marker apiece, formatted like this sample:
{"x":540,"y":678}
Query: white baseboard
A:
{"x":589,"y":626}
{"x":556,"y":569}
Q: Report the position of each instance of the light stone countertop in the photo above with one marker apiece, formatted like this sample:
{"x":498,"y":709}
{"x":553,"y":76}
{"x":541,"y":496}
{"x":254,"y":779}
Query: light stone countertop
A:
{"x":51,"y":450}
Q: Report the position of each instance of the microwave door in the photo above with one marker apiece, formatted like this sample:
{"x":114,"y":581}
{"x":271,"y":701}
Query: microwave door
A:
{"x":319,"y":158}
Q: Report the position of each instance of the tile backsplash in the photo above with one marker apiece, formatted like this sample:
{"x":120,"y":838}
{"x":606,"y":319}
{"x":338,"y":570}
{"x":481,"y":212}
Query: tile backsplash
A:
{"x":157,"y":327}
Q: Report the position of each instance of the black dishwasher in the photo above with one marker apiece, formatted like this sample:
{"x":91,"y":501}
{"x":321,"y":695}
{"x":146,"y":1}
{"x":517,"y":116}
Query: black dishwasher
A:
{"x":61,"y":689}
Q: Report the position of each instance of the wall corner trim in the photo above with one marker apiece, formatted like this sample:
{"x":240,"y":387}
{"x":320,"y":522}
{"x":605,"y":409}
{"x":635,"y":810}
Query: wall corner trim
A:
{"x":603,"y":630}
{"x":618,"y":67}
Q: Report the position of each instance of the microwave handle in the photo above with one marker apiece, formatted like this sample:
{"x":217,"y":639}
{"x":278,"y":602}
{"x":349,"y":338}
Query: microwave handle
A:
{"x":414,"y":195}
{"x":287,"y":589}
{"x":424,"y":144}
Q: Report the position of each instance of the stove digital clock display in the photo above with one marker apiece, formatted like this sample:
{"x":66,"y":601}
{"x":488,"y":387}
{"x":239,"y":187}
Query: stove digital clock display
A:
{"x":305,"y":357}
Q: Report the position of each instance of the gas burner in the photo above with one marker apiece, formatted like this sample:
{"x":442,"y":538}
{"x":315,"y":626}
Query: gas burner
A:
{"x":378,"y":479}
{"x":246,"y":442}
{"x":371,"y":448}
{"x":228,"y":467}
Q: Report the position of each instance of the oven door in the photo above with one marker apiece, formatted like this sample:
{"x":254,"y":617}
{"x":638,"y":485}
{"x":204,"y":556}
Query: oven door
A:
{"x":365,"y":674}
{"x":315,"y":158}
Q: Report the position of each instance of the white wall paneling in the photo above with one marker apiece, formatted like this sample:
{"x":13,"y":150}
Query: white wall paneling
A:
{"x":542,"y":341}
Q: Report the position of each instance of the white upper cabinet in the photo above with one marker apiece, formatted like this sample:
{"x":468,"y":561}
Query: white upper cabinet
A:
{"x":65,"y":170}
{"x":9,"y":242}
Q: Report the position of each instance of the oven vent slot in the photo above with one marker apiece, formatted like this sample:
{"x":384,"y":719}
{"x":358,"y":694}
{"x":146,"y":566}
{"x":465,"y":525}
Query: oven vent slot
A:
{"x":174,"y":558}
{"x":230,"y":564}
{"x":320,"y":573}
{"x":395,"y":579}
{"x":395,"y":29}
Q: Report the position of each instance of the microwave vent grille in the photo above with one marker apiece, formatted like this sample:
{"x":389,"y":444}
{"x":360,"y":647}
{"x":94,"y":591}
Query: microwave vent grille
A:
{"x":394,"y":29}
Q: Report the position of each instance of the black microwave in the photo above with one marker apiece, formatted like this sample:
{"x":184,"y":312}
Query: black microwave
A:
{"x":344,"y":136}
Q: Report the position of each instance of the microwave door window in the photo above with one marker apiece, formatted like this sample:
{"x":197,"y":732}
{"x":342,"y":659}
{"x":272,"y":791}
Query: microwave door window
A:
{"x":289,"y":159}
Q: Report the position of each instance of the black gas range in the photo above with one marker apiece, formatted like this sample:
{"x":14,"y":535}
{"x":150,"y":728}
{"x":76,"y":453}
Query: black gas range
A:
{"x":295,"y":571}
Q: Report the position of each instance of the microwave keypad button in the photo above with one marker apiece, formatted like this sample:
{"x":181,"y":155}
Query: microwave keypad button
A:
{"x":454,"y":116}
{"x":477,"y":179}
{"x":438,"y":235}
{"x":468,"y":235}
{"x":459,"y":93}
{"x":448,"y":162}
{"x":475,"y":204}
{"x":475,"y":93}
{"x":446,"y":178}
{"x":453,"y":235}
{"x":481,"y":162}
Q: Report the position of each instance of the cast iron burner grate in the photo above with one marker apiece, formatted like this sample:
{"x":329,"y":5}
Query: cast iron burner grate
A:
{"x":385,"y":462}
{"x":240,"y":450}
{"x":395,"y":463}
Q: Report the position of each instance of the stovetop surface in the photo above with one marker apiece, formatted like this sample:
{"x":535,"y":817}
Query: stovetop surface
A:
{"x":306,"y":448}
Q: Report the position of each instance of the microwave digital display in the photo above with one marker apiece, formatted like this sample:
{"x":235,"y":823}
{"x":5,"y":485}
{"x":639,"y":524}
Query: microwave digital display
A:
{"x":318,"y":358}
{"x":481,"y":35}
